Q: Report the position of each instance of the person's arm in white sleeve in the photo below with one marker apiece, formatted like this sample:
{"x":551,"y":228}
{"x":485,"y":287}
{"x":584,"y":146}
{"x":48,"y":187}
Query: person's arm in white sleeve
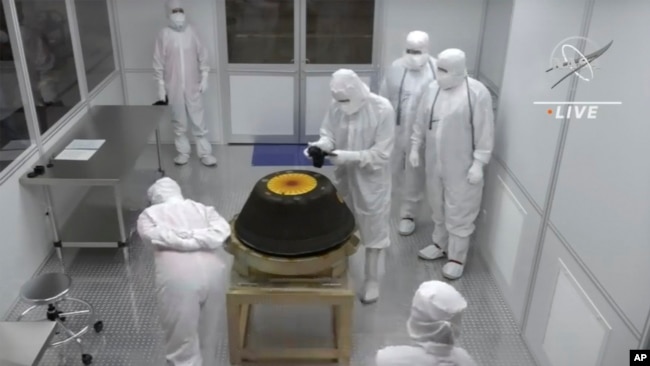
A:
{"x":215,"y":234}
{"x":159,"y":59}
{"x":327,"y":141}
{"x":160,"y":235}
{"x":202,"y":55}
{"x":483,"y":127}
{"x":379,"y":153}
{"x":421,"y":115}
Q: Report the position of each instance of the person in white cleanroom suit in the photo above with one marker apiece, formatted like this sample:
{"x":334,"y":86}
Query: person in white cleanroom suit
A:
{"x":402,"y":84}
{"x":455,"y":124}
{"x":181,"y":67}
{"x":434,"y":326}
{"x":359,"y":129}
{"x":191,"y":272}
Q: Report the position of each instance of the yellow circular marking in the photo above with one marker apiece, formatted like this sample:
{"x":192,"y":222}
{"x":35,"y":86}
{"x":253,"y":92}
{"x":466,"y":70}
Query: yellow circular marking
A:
{"x":292,"y":184}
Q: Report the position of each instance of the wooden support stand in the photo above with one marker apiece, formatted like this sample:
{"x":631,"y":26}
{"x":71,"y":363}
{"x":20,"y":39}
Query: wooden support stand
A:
{"x":335,"y":292}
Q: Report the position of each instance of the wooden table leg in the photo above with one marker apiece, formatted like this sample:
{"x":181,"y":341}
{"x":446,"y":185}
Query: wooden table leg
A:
{"x":234,"y":336}
{"x":344,"y":331}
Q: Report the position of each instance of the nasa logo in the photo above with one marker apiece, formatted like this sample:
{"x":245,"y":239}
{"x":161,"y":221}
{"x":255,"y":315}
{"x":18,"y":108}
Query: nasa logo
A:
{"x":572,"y":59}
{"x":567,"y":56}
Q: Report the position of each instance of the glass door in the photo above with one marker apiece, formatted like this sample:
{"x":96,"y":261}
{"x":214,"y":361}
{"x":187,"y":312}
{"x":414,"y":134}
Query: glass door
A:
{"x":263,"y":71}
{"x":335,"y":34}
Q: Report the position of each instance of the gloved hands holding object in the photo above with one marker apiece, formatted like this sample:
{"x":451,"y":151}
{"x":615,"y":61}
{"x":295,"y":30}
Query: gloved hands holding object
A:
{"x":414,"y":158}
{"x":475,"y":173}
{"x":317,"y":144}
{"x":204,"y":83}
{"x":341,"y":157}
{"x":162,"y":94}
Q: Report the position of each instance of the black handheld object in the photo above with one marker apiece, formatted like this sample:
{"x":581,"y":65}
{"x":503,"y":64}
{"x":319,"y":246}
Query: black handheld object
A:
{"x":317,"y":156}
{"x":162,"y":102}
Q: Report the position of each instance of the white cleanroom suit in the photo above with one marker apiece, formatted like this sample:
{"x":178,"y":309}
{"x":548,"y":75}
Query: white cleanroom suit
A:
{"x":455,"y":124}
{"x":359,"y":129}
{"x":181,"y":67}
{"x":434,"y":326}
{"x":192,"y":272}
{"x":402,"y":84}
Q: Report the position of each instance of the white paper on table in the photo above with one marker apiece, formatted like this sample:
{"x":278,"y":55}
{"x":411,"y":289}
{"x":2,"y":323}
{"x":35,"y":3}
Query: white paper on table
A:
{"x":76,"y":154}
{"x":85,"y":144}
{"x":17,"y":145}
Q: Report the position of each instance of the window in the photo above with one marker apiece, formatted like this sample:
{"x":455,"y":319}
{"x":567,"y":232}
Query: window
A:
{"x":50,"y":60}
{"x":340,"y":31}
{"x":96,"y":41}
{"x":14,"y":135}
{"x":260,"y":31}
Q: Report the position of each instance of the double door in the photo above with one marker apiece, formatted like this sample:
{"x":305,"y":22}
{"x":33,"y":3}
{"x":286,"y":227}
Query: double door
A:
{"x":281,"y":54}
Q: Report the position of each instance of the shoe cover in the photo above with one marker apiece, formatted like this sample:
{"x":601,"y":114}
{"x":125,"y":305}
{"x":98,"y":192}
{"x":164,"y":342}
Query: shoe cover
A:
{"x":431,"y":252}
{"x":406,"y":227}
{"x":208,"y":160}
{"x":181,"y":159}
{"x":453,"y":270}
{"x":370,"y":292}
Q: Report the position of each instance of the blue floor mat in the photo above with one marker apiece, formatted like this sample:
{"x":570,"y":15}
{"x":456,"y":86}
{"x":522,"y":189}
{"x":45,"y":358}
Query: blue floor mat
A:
{"x":281,"y":155}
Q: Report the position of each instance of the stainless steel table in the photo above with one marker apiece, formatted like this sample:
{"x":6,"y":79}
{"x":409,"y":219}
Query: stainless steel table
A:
{"x":23,"y":343}
{"x":100,"y":223}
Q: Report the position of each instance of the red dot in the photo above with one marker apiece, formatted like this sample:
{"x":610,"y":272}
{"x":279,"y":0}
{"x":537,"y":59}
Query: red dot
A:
{"x":550,"y":111}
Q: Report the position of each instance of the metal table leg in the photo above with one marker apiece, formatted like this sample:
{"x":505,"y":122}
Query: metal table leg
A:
{"x":120,"y":221}
{"x":55,"y":229}
{"x":160,"y":168}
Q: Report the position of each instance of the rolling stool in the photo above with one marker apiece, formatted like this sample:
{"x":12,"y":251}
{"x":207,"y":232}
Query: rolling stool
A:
{"x":51,"y":289}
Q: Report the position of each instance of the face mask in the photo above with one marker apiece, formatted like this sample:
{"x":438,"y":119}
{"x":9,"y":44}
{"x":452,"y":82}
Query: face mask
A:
{"x":178,"y":20}
{"x":414,"y":62}
{"x":447,"y":80}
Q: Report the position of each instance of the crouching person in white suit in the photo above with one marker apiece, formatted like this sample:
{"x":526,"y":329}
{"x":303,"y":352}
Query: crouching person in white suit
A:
{"x":434,"y":326}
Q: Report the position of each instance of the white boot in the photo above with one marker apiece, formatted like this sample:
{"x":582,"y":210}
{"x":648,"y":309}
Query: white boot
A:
{"x":406,"y":227}
{"x":432,"y":252}
{"x":208,"y":160}
{"x":370,"y":292}
{"x":458,"y":248}
{"x":181,"y":159}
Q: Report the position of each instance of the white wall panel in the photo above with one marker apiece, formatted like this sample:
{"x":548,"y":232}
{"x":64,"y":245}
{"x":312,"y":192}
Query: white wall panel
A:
{"x":526,"y":137}
{"x":572,"y":309}
{"x":495,"y":40}
{"x":450,"y":24}
{"x":509,"y":218}
{"x":602,"y":203}
{"x":318,"y":100}
{"x":262,"y":105}
{"x":111,"y":94}
{"x":141,"y":20}
{"x":142,"y":91}
{"x":506,"y":235}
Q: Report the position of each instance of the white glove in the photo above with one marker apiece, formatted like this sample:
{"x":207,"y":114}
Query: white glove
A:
{"x":4,"y":37}
{"x":414,"y":158}
{"x":342,"y":157}
{"x":204,"y":83}
{"x":162,"y":94}
{"x":475,"y":173}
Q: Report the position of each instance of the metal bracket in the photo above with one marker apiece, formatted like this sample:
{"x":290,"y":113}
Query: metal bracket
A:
{"x":58,"y":244}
